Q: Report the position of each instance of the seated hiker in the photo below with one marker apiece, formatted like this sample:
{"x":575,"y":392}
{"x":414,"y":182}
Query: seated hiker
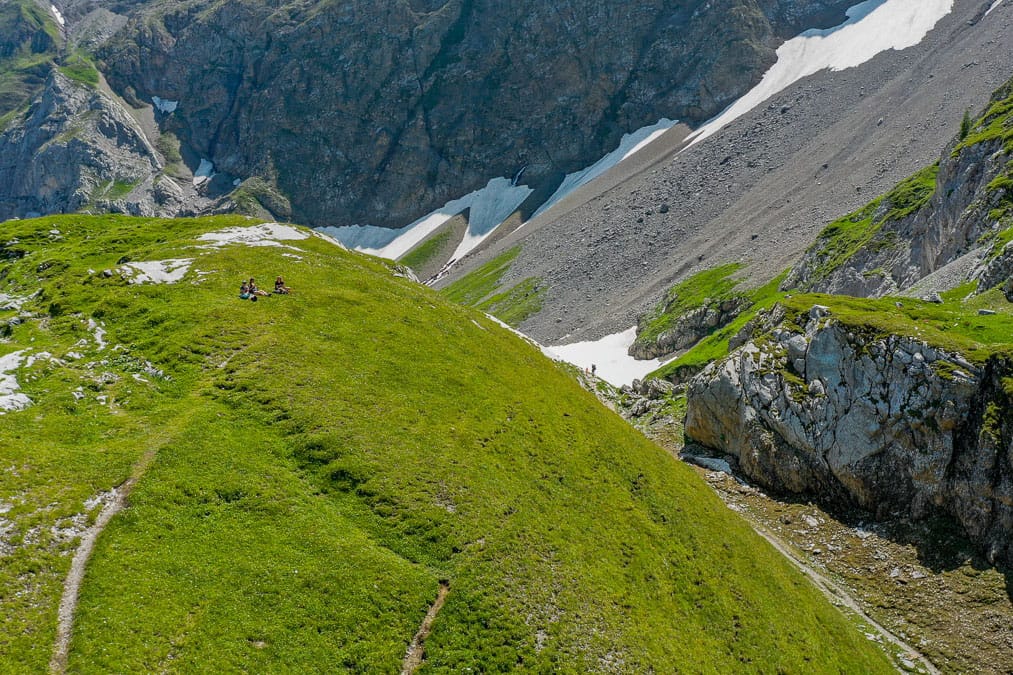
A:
{"x":244,"y":291}
{"x":256,"y":291}
{"x":280,"y":287}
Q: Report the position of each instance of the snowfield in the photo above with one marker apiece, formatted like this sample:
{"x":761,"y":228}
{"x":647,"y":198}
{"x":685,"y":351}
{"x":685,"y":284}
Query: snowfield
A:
{"x":609,"y":356}
{"x":872,"y":27}
{"x":489,"y":207}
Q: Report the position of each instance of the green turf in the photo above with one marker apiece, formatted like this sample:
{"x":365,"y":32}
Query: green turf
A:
{"x":715,"y":345}
{"x":954,"y":325}
{"x":323,"y":460}
{"x":480,"y":289}
{"x":423,"y":253}
{"x":707,"y":287}
{"x":843,"y":238}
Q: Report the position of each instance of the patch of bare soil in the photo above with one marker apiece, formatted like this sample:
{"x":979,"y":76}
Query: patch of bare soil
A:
{"x":416,"y":653}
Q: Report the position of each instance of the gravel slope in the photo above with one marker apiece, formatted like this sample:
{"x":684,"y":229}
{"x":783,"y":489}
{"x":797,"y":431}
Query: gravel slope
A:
{"x":759,"y":190}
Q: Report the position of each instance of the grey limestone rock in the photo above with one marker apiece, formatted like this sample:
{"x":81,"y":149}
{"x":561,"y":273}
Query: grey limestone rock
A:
{"x":885,"y":422}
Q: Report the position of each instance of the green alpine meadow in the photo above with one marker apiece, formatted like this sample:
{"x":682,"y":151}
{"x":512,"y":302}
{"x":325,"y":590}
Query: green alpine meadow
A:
{"x":290,"y":484}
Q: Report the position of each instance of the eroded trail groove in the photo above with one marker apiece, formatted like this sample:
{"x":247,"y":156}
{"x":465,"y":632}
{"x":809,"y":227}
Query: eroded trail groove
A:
{"x":417,"y":649}
{"x":72,"y":586}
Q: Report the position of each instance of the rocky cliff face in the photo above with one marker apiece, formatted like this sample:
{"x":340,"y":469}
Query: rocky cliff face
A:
{"x":930,"y":222}
{"x":377,"y":112}
{"x":851,"y":415}
{"x":76,"y":149}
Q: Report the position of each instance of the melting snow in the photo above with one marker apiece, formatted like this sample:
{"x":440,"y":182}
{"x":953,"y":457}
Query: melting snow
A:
{"x":168,"y":107}
{"x":204,"y":172}
{"x":609,"y":355}
{"x":993,"y":6}
{"x":872,"y":27}
{"x":11,"y":397}
{"x":630,"y":144}
{"x":59,"y":17}
{"x":265,"y":234}
{"x":156,"y":271}
{"x":490,"y":206}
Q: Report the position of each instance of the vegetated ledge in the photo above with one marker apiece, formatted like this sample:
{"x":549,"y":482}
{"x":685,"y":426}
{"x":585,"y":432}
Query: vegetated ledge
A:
{"x":901,"y":410}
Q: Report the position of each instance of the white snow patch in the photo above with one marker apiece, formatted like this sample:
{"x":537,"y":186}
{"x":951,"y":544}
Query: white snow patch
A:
{"x":265,"y":234}
{"x":204,"y":172}
{"x":168,"y":107}
{"x":156,"y":271}
{"x":630,"y":144}
{"x":872,"y":27}
{"x":59,"y":17}
{"x":993,"y":6}
{"x":293,"y":256}
{"x":490,"y":206}
{"x":609,"y":356}
{"x":99,"y":332}
{"x":11,"y":397}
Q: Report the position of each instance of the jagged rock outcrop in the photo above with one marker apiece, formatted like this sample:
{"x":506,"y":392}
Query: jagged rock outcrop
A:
{"x":377,"y":112}
{"x":689,"y":328}
{"x":76,"y":149}
{"x":849,"y":415}
{"x":910,"y":233}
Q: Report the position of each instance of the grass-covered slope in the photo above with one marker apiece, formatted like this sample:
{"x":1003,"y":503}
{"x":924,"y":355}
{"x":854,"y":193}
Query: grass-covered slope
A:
{"x":311,"y":467}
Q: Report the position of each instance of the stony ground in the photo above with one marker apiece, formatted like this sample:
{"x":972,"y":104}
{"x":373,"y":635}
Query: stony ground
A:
{"x":761,"y":189}
{"x":922,"y":582}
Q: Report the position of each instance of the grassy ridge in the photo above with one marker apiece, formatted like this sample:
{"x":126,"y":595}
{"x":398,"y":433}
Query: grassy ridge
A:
{"x":479,"y":288}
{"x":324,"y":459}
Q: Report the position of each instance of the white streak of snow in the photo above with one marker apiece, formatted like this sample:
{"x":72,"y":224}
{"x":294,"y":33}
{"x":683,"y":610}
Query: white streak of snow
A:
{"x":609,"y":355}
{"x":993,"y":6}
{"x":156,"y":271}
{"x":59,"y":17}
{"x":872,"y":27}
{"x":630,"y":144}
{"x":167,"y":107}
{"x":11,"y":397}
{"x":490,"y":206}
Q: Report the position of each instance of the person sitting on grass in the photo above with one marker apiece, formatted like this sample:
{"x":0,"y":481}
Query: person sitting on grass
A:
{"x":244,"y":291}
{"x":256,"y":291}
{"x":280,"y":287}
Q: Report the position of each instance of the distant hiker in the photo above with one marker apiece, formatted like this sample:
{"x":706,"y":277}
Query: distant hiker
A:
{"x":256,"y":291}
{"x":280,"y":287}
{"x":593,"y":369}
{"x":244,"y":291}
